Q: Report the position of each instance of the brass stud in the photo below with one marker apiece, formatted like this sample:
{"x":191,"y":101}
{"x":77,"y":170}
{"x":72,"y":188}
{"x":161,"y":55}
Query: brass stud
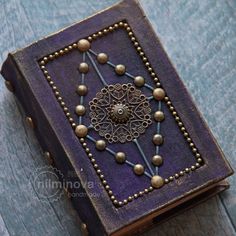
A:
{"x":81,"y":131}
{"x":159,"y":116}
{"x":51,"y":57}
{"x":157,"y":160}
{"x":100,"y":145}
{"x":150,"y":189}
{"x":9,"y":86}
{"x":120,"y":69}
{"x":83,"y":45}
{"x":82,"y":90}
{"x":193,"y":168}
{"x":157,"y":139}
{"x":157,"y":181}
{"x":199,"y":160}
{"x":83,"y":67}
{"x":139,"y":81}
{"x":158,"y":94}
{"x":102,"y":58}
{"x":130,"y":198}
{"x":187,"y":170}
{"x":138,"y":169}
{"x":120,"y":157}
{"x":80,"y":110}
{"x":84,"y":229}
{"x":48,"y":157}
{"x":81,"y":140}
{"x":141,"y":193}
{"x":171,"y":178}
{"x":30,"y":122}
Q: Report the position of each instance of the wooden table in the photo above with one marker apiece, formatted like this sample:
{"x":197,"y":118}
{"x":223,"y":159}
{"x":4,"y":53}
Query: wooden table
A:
{"x":200,"y":38}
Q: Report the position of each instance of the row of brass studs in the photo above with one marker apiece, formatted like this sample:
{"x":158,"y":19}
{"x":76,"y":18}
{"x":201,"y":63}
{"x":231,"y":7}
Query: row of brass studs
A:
{"x":139,"y":50}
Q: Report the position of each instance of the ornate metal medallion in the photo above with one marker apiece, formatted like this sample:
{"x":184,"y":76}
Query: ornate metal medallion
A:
{"x":120,"y":113}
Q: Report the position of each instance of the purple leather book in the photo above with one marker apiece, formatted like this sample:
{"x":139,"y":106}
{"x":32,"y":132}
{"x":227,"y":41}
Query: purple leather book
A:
{"x":106,"y":103}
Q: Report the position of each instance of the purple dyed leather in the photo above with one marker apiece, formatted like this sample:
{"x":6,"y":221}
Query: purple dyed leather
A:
{"x":55,"y":133}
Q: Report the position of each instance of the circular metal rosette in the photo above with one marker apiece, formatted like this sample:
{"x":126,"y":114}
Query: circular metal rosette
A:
{"x":120,"y":113}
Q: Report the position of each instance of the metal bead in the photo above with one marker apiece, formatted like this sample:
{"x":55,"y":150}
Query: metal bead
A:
{"x":193,"y":167}
{"x":84,"y":229}
{"x":120,"y":157}
{"x":48,"y":157}
{"x":120,"y":69}
{"x":83,"y":45}
{"x":187,"y":170}
{"x":83,"y":67}
{"x":130,"y":198}
{"x":158,"y":94}
{"x":150,"y":189}
{"x":139,"y":81}
{"x":199,"y":160}
{"x":157,"y":160}
{"x":176,"y":176}
{"x":125,"y":201}
{"x":30,"y":122}
{"x":157,"y":181}
{"x":82,"y":90}
{"x":159,"y":116}
{"x":171,"y":178}
{"x":81,"y":131}
{"x":80,"y":110}
{"x":157,"y":139}
{"x":166,"y":181}
{"x":102,"y":58}
{"x":9,"y":86}
{"x":197,"y":165}
{"x":100,"y":145}
{"x":138,"y":169}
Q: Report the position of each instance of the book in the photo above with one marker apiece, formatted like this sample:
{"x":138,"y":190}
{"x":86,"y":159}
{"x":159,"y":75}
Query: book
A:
{"x":106,"y":103}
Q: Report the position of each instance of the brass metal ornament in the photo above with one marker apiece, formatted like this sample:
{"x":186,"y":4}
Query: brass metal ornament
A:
{"x":126,"y":113}
{"x":120,"y":113}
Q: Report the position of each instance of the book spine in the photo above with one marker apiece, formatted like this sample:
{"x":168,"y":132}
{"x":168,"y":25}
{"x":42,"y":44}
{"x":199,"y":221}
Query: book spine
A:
{"x":50,"y":143}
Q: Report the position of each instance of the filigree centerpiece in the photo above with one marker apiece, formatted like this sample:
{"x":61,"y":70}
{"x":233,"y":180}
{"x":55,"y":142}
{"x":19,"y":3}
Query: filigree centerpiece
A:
{"x":120,"y":113}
